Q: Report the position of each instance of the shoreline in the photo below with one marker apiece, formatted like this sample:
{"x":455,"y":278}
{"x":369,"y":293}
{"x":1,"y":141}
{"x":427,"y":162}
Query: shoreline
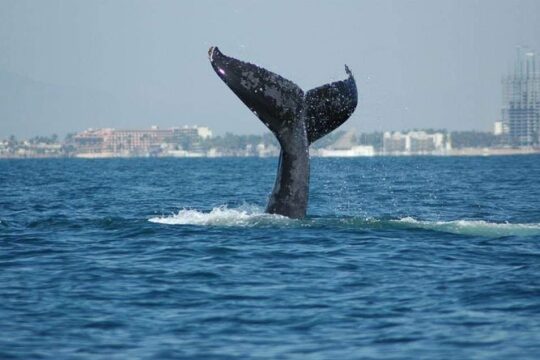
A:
{"x":466,"y":152}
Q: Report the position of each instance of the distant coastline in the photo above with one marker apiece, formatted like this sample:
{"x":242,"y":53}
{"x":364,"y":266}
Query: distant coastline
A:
{"x":199,"y":142}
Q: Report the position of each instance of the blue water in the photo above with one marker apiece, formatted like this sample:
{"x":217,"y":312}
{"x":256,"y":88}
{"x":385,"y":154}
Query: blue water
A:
{"x":400,"y":258}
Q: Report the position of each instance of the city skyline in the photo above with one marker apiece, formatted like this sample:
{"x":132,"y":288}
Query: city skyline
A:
{"x":196,"y":141}
{"x":67,"y":66}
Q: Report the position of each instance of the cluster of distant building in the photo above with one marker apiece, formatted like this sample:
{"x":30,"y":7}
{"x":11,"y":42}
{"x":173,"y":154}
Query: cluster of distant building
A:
{"x":393,"y":143}
{"x":11,"y":148}
{"x":415,"y":142}
{"x":518,"y":131}
{"x":179,"y":141}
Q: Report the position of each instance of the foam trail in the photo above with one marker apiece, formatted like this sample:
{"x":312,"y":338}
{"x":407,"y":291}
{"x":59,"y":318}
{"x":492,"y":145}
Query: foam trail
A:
{"x":473,"y":227}
{"x":222,"y":216}
{"x":253,"y":216}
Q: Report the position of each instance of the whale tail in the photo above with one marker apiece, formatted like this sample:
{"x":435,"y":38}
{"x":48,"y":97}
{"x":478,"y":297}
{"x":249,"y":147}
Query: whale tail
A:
{"x":279,"y":102}
{"x":295,"y":118}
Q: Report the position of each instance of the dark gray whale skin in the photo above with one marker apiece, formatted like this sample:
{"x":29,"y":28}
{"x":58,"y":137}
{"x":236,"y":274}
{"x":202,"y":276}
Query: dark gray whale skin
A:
{"x":297,"y":119}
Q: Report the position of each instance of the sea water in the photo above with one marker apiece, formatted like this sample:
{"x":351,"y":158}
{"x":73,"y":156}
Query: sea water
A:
{"x":399,"y":257}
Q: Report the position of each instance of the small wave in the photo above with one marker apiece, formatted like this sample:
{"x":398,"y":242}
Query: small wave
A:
{"x":473,"y":227}
{"x":223,"y":216}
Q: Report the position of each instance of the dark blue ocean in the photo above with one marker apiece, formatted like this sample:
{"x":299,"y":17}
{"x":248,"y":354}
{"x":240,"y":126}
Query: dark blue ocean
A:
{"x":399,"y":258}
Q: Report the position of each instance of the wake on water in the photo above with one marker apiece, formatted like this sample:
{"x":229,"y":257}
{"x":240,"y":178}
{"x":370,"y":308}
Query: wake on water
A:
{"x":473,"y":227}
{"x":254,"y":216}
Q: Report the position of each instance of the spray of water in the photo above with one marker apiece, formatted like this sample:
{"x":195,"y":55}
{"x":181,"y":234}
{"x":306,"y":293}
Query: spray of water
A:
{"x":244,"y":216}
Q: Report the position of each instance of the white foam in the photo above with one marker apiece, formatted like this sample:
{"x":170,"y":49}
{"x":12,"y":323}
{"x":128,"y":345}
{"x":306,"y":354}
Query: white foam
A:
{"x":474,"y":227}
{"x":250,"y":215}
{"x":223,"y":216}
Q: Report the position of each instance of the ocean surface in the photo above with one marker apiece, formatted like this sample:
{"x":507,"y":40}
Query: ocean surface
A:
{"x":399,"y":258}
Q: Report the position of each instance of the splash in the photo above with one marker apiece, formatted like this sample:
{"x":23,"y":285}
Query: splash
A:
{"x":254,"y":216}
{"x":472,"y":227}
{"x":244,"y":216}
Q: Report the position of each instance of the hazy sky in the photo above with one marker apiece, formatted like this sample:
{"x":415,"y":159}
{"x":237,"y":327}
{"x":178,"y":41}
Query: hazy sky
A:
{"x":69,"y":65}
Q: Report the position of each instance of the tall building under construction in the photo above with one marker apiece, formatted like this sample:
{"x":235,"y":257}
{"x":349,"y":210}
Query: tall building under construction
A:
{"x":521,"y":101}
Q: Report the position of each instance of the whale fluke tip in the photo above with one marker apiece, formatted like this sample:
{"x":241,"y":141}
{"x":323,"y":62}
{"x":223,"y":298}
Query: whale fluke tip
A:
{"x":211,"y":52}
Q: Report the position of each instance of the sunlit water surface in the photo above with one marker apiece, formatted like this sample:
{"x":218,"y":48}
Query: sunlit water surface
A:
{"x":174,"y":258}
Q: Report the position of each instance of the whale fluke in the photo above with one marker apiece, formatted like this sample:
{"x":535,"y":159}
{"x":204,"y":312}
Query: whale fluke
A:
{"x":296,"y":119}
{"x":329,"y":106}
